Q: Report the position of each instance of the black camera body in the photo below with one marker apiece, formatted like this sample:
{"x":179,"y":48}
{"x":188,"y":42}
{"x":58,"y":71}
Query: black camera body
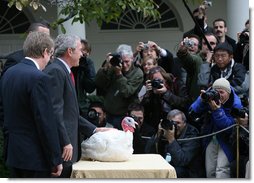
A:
{"x":211,"y":94}
{"x":244,"y":37}
{"x":156,"y":83}
{"x":115,"y":60}
{"x":238,"y":113}
{"x":93,"y":116}
{"x":168,"y":124}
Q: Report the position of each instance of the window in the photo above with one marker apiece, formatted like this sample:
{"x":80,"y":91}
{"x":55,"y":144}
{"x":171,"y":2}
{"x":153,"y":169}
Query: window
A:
{"x":133,"y":20}
{"x":12,"y":21}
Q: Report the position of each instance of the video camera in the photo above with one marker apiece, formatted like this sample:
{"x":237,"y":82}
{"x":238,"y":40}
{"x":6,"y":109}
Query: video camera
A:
{"x":156,"y":83}
{"x":210,"y":94}
{"x":115,"y":60}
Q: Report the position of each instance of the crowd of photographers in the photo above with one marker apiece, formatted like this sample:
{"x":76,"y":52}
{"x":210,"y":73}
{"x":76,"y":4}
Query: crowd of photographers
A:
{"x":202,"y":92}
{"x":186,"y":106}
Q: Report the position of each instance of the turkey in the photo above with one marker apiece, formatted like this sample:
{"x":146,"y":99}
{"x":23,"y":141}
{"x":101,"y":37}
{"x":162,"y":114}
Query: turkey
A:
{"x":112,"y":145}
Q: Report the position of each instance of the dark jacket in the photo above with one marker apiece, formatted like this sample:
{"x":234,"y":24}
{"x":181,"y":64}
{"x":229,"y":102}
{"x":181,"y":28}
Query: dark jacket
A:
{"x":236,"y":75}
{"x":29,"y":122}
{"x":186,"y":155}
{"x":120,"y":91}
{"x":12,"y":59}
{"x":70,"y":123}
{"x":157,"y":106}
{"x":84,"y":76}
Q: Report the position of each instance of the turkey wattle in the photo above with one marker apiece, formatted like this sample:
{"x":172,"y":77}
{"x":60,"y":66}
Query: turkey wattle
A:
{"x":112,"y":145}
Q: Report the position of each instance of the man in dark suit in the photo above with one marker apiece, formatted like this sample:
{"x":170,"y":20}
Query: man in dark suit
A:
{"x":16,"y":56}
{"x":31,"y":136}
{"x":71,"y":124}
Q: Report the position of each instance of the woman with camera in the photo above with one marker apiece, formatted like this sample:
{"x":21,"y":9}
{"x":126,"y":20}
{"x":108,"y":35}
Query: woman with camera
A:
{"x":217,"y":111}
{"x":163,"y":93}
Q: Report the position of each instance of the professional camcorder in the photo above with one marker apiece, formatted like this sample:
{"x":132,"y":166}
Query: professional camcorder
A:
{"x":115,"y":60}
{"x":156,"y":83}
{"x":210,"y":94}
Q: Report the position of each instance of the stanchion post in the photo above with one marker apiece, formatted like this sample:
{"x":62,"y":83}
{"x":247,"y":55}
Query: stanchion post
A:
{"x":237,"y":149}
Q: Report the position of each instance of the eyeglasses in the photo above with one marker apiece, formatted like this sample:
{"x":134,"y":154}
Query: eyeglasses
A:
{"x":51,"y":53}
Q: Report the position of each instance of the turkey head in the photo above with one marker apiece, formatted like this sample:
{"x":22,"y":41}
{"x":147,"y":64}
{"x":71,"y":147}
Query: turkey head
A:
{"x":128,"y":124}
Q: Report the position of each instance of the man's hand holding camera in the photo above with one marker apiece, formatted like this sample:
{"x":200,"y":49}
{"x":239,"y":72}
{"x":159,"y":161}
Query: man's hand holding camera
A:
{"x":114,"y":61}
{"x":169,"y":134}
{"x":212,"y":98}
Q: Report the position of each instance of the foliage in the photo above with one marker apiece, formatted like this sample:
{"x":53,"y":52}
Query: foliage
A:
{"x":89,"y":10}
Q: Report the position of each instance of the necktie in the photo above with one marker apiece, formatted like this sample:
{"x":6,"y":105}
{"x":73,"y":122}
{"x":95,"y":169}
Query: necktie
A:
{"x":72,"y":78}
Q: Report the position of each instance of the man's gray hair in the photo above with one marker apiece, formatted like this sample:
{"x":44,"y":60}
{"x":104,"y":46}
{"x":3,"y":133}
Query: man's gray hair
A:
{"x":36,"y":43}
{"x":176,"y":112}
{"x":63,"y":42}
{"x":124,"y":50}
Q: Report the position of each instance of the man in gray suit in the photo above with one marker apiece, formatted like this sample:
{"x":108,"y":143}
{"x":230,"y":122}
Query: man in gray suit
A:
{"x":70,"y":123}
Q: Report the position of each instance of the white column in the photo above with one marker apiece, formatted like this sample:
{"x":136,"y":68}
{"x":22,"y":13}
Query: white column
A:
{"x":76,"y":28}
{"x":237,"y":14}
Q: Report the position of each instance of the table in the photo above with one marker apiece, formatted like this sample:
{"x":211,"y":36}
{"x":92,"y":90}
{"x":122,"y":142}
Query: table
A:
{"x":139,"y":166}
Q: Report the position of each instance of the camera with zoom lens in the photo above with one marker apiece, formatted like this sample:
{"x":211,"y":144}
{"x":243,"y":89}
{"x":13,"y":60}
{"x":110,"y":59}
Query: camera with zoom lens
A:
{"x":238,"y":113}
{"x":168,"y":124}
{"x":211,"y":94}
{"x":93,"y":116}
{"x":188,"y":43}
{"x":115,"y":60}
{"x":156,"y":83}
{"x":244,"y":37}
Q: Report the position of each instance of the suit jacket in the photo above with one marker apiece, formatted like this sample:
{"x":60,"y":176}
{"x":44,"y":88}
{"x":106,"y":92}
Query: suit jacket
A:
{"x":12,"y":59}
{"x":70,"y":123}
{"x":29,"y":122}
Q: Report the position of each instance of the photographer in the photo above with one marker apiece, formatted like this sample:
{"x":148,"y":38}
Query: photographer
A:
{"x":97,"y":115}
{"x":120,"y":81}
{"x":192,"y":61}
{"x":185,"y":155}
{"x":242,"y":118}
{"x":84,"y":75}
{"x":216,"y":104}
{"x":163,"y":93}
{"x":164,"y":57}
{"x":242,"y":47}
